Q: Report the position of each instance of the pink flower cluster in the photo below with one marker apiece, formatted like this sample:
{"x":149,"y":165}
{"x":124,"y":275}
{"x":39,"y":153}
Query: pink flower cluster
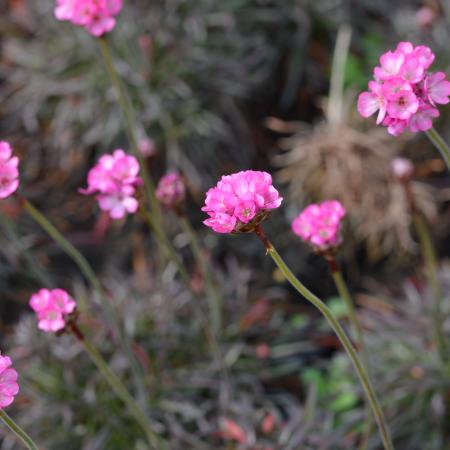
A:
{"x":114,"y":179}
{"x":404,"y":93}
{"x":320,"y":225}
{"x":171,"y":190}
{"x":8,"y":382}
{"x":239,"y":199}
{"x":96,"y":16}
{"x":52,"y":308}
{"x":9,"y":170}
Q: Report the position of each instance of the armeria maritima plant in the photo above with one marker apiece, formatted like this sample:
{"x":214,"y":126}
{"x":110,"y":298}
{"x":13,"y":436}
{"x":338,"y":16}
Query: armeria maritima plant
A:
{"x":239,"y":203}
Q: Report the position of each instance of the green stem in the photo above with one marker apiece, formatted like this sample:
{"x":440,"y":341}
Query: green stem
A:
{"x":346,"y":297}
{"x":130,"y":121}
{"x":66,"y":245}
{"x":432,"y":270}
{"x":18,"y":431}
{"x":90,"y":275}
{"x":342,"y":336}
{"x":212,"y":290}
{"x":440,"y":144}
{"x":118,"y":387}
{"x":167,"y":247}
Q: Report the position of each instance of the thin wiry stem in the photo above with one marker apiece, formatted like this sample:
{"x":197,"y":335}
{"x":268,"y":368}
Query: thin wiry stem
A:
{"x":340,"y":333}
{"x":17,"y":430}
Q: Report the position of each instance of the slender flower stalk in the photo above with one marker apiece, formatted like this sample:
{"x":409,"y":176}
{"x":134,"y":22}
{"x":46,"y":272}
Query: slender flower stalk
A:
{"x":346,"y":297}
{"x":17,"y":430}
{"x":440,"y":144}
{"x":121,"y":391}
{"x":432,"y":270}
{"x":342,"y":336}
{"x":212,"y":291}
{"x":166,"y":246}
{"x":130,"y":121}
{"x":403,"y":171}
{"x":93,"y":280}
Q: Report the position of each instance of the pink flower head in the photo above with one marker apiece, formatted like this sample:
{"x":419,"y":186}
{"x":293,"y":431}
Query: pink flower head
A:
{"x":320,"y":225}
{"x":404,"y":93}
{"x":114,"y":179}
{"x":8,"y":382}
{"x":96,"y":16}
{"x":52,"y":308}
{"x":240,"y":201}
{"x":9,"y":170}
{"x":171,"y":190}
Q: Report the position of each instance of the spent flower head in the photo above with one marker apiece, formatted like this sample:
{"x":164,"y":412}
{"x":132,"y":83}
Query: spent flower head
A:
{"x":320,"y":225}
{"x":96,"y":16}
{"x":9,"y":170}
{"x":52,"y":308}
{"x":8,"y":382}
{"x":114,"y":179}
{"x":240,"y":201}
{"x":404,"y":93}
{"x":171,"y":190}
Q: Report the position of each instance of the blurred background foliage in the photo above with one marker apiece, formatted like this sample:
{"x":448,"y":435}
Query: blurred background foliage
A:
{"x":221,"y":86}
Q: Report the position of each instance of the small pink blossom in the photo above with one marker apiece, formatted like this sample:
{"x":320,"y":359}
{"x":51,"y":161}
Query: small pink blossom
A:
{"x":437,"y":88}
{"x":171,"y":190}
{"x":403,"y":105}
{"x":52,"y":308}
{"x":240,"y":199}
{"x":9,"y":387}
{"x":9,"y":170}
{"x":146,"y":147}
{"x":320,"y":225}
{"x":372,"y":101}
{"x":402,"y":168}
{"x":96,"y":16}
{"x":114,"y":179}
{"x":404,"y":93}
{"x":390,"y":65}
{"x":423,"y":119}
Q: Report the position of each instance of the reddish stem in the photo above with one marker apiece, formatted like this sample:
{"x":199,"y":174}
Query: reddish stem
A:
{"x":264,"y":239}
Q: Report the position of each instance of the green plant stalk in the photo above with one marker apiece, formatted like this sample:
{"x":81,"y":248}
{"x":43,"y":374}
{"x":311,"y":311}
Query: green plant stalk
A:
{"x":345,"y":295}
{"x":18,"y":431}
{"x":432,"y":270}
{"x":90,"y":275}
{"x":340,"y":333}
{"x":118,"y":387}
{"x":440,"y":144}
{"x":166,"y":246}
{"x":212,"y":292}
{"x":130,"y":121}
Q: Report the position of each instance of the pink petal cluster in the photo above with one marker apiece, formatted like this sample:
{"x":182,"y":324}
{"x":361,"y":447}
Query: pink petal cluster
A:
{"x":171,"y":190}
{"x":8,"y":382}
{"x":96,"y":16}
{"x":9,"y":170}
{"x":114,"y":179}
{"x":52,"y":308}
{"x":404,"y":93}
{"x":320,"y":225}
{"x":238,"y":199}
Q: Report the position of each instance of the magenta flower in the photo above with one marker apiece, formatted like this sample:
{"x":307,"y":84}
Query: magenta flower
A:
{"x":96,"y":16}
{"x":114,"y":179}
{"x":320,"y":225}
{"x":240,"y":201}
{"x":171,"y":190}
{"x":9,"y":170}
{"x":52,"y":308}
{"x":8,"y":382}
{"x":403,"y":92}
